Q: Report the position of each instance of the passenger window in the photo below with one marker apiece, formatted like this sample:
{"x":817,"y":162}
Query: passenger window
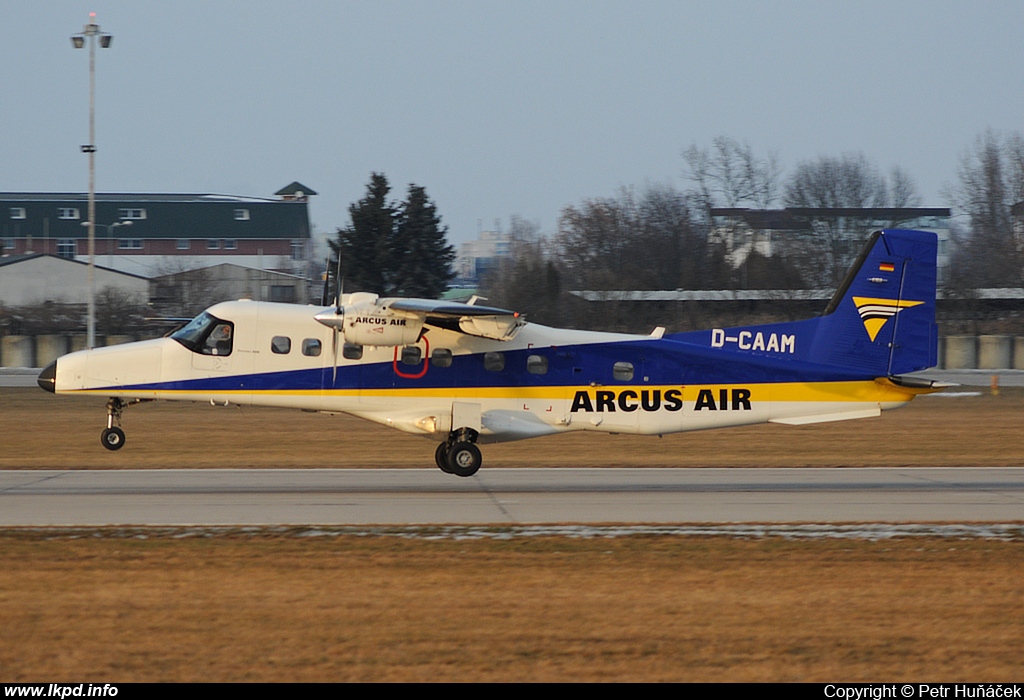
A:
{"x":219,"y":341}
{"x":352,"y":352}
{"x":494,"y":361}
{"x":411,"y":355}
{"x":537,"y":364}
{"x":623,"y":371}
{"x":280,"y":345}
{"x":442,"y":357}
{"x":311,"y":347}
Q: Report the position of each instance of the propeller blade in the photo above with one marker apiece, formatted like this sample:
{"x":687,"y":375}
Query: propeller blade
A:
{"x":339,"y":312}
{"x":335,"y":320}
{"x":334,"y":362}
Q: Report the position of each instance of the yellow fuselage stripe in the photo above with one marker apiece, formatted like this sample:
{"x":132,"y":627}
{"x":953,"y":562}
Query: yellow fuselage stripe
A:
{"x":854,"y":391}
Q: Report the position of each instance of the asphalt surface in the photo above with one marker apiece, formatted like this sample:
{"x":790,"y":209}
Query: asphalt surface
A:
{"x":18,"y":376}
{"x":515,"y":496}
{"x":509,"y":496}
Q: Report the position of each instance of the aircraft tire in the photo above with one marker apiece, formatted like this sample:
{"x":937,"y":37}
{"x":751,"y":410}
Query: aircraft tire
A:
{"x":464,"y":459}
{"x":112,"y":438}
{"x":441,"y":458}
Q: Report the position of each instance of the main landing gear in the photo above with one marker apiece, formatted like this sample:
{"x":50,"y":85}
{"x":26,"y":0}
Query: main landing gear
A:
{"x":459,"y":455}
{"x":112,"y":436}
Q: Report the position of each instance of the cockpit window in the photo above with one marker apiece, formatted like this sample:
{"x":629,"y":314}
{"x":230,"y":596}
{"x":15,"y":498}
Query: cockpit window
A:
{"x":207,"y":335}
{"x":219,"y":341}
{"x":191,"y":334}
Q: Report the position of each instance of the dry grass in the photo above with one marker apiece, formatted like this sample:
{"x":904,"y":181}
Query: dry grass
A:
{"x":63,"y":432}
{"x":104,"y":609}
{"x":554,"y":609}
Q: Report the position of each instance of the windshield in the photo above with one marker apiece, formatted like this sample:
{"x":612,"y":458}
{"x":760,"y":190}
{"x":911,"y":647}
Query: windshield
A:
{"x":207,"y":335}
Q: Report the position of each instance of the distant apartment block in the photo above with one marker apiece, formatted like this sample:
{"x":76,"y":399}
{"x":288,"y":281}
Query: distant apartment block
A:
{"x":157,"y":234}
{"x":780,"y":231}
{"x":477,"y":258}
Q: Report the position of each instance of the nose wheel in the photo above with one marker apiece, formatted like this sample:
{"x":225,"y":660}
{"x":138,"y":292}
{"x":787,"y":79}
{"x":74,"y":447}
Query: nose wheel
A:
{"x":112,"y":436}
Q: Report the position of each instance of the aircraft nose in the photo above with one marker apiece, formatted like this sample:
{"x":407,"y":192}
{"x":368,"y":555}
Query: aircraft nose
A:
{"x":48,"y":377}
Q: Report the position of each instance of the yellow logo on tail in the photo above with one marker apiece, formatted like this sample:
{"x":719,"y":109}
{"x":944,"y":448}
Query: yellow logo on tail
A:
{"x":876,"y":312}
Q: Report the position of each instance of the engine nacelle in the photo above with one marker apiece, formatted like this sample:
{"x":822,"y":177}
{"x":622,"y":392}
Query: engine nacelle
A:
{"x":369,"y":324}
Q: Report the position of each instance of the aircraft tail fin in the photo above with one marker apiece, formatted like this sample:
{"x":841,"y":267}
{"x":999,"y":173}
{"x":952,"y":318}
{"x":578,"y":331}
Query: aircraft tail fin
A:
{"x":882,"y":318}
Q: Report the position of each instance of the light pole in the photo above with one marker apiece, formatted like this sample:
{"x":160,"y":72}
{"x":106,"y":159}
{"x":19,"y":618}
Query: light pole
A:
{"x":110,"y":238}
{"x":91,"y":32}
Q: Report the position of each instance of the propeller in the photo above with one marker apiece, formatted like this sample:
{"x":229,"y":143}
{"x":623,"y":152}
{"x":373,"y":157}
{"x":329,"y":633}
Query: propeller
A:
{"x":338,"y":318}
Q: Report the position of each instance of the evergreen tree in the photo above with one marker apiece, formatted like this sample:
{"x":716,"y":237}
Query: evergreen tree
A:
{"x":422,"y":257}
{"x":364,"y":245}
{"x":394,"y":249}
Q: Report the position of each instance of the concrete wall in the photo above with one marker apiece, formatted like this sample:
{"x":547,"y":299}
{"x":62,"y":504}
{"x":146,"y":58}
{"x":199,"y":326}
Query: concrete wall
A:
{"x":17,"y":351}
{"x":995,"y":351}
{"x":49,"y":348}
{"x":961,"y":352}
{"x":41,"y":350}
{"x":981,"y":352}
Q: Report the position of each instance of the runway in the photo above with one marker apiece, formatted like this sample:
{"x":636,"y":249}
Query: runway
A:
{"x":509,"y":496}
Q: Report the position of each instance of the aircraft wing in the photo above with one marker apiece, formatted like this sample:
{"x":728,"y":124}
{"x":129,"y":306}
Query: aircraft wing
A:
{"x":481,"y":321}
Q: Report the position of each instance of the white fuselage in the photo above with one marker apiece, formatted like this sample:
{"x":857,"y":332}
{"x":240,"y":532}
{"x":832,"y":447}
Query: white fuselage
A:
{"x":561,"y":379}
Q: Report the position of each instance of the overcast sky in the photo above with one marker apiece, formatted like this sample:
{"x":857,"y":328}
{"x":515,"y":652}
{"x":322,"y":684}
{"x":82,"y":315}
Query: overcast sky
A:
{"x":497,"y":108}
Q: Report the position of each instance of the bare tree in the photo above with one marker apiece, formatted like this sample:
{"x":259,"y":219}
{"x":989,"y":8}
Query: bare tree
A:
{"x":119,"y":312}
{"x":902,"y":190}
{"x":39,"y":319}
{"x":523,"y":230}
{"x":528,"y":281}
{"x":729,"y":174}
{"x":678,"y":253}
{"x":847,"y":181}
{"x":630,"y":242}
{"x":830,"y":190}
{"x":990,"y":180}
{"x":596,"y":242}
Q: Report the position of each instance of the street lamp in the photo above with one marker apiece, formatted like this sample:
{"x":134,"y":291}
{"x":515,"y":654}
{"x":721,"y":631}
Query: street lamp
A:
{"x":110,"y":238}
{"x":92,"y":31}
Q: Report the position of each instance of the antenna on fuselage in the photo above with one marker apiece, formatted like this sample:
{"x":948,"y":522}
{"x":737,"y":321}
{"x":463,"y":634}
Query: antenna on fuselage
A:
{"x":325,"y":277}
{"x":341,"y":282}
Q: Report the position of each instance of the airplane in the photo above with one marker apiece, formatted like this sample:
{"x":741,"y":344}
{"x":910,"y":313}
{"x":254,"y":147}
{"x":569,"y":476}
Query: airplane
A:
{"x":466,"y":375}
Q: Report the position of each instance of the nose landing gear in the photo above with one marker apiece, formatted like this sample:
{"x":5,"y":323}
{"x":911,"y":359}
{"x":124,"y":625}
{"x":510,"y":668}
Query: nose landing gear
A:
{"x":112,"y":436}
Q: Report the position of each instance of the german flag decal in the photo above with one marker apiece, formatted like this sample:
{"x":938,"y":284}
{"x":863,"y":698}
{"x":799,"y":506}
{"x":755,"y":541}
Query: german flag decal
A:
{"x":886,"y":267}
{"x":876,"y":312}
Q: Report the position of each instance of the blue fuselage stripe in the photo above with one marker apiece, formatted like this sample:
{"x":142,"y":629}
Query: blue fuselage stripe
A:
{"x":655,"y":362}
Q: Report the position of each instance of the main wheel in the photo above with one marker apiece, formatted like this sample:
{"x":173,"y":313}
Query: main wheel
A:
{"x":464,"y":459}
{"x":441,"y":458}
{"x":112,"y":438}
